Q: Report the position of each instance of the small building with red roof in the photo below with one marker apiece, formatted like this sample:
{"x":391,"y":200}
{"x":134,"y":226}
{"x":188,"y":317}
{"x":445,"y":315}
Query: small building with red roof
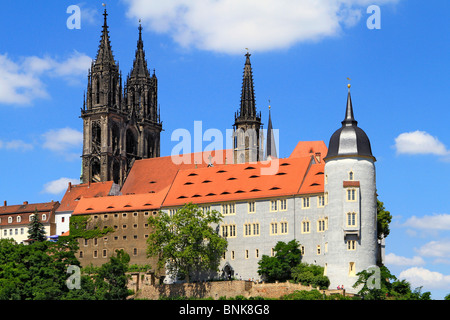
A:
{"x":15,"y":219}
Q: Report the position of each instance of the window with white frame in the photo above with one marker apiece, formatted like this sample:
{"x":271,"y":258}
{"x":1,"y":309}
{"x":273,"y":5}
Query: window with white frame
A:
{"x":321,"y":201}
{"x":305,"y":226}
{"x":229,"y":208}
{"x":283,"y":204}
{"x":251,"y":229}
{"x":321,"y":225}
{"x":273,"y":205}
{"x":351,"y":194}
{"x":274,"y":228}
{"x":351,"y":245}
{"x":305,"y":203}
{"x":284,"y":227}
{"x":251,"y":207}
{"x":351,"y":219}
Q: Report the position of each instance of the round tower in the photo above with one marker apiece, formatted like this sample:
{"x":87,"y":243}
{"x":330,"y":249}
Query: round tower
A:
{"x":350,"y":187}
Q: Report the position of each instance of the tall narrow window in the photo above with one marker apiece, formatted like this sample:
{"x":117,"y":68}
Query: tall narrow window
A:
{"x":305,"y":226}
{"x":351,"y":219}
{"x":351,"y":269}
{"x":305,"y":203}
{"x":251,"y":207}
{"x":351,"y":194}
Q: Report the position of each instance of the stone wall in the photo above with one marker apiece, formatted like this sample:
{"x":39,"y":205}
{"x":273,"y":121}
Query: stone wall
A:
{"x":146,"y":287}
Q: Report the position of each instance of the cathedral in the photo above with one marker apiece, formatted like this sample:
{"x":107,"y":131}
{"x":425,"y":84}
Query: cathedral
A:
{"x":322,"y":196}
{"x":120,"y":124}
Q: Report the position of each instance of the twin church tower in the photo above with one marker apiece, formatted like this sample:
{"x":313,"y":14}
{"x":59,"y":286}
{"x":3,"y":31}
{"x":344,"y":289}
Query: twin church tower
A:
{"x":122,"y":125}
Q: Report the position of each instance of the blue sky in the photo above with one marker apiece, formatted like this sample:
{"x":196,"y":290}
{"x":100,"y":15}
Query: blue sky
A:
{"x":302,"y":53}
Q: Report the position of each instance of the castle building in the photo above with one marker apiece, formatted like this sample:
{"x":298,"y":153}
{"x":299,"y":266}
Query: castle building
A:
{"x":119,"y":126}
{"x":323,"y":197}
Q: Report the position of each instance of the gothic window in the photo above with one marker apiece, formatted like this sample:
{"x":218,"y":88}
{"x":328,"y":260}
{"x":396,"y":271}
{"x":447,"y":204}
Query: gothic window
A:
{"x":150,"y":147}
{"x":115,"y":139}
{"x":96,"y":137}
{"x":95,"y":170}
{"x":97,"y":90}
{"x":131,"y":143}
{"x":116,"y":172}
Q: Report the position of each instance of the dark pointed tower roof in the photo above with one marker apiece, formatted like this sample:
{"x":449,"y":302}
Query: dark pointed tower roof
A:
{"x":349,"y":140}
{"x":247,"y":111}
{"x":271,"y":149}
{"x":140,"y":64}
{"x":104,"y":54}
{"x":248,"y":104}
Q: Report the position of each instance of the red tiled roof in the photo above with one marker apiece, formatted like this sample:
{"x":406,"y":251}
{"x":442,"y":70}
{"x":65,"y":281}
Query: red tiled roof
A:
{"x":238,"y":182}
{"x":134,"y":202}
{"x":25,"y":210}
{"x":155,"y":174}
{"x":307,"y":148}
{"x":75,"y":192}
{"x":314,"y":179}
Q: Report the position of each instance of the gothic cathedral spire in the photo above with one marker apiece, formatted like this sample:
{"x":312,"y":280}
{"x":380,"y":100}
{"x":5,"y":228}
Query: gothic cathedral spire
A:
{"x":119,"y":126}
{"x":247,"y":123}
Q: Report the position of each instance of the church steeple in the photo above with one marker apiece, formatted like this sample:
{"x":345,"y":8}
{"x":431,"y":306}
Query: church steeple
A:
{"x":104,"y":54}
{"x":271,"y":149}
{"x":140,"y":64}
{"x":248,"y":104}
{"x":247,"y":123}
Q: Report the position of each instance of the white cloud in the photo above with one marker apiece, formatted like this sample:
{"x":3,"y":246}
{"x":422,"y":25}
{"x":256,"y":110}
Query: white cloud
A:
{"x":437,"y":249}
{"x":418,"y":277}
{"x":16,"y":145}
{"x":59,"y":185}
{"x":21,"y":82}
{"x":17,"y":86}
{"x":433,"y":222}
{"x":393,"y":259}
{"x":419,"y":142}
{"x":66,"y":142}
{"x":230,"y":26}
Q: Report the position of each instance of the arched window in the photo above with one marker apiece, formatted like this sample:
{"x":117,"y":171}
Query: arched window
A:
{"x":95,"y":170}
{"x":131,"y":143}
{"x":351,"y":176}
{"x":10,"y":219}
{"x":19,"y":219}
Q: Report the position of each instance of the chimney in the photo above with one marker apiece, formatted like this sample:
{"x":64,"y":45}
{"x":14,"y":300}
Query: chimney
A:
{"x":70,"y":186}
{"x":4,"y":203}
{"x":25,"y":203}
{"x":318,"y":157}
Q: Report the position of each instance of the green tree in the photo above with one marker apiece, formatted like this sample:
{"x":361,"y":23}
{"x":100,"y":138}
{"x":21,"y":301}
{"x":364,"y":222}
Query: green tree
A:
{"x":111,"y":280}
{"x":187,"y":241}
{"x":279,"y":267}
{"x":36,"y":271}
{"x":383,"y":220}
{"x":36,"y":231}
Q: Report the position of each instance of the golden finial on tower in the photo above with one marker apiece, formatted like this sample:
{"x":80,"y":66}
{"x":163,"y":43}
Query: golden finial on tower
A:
{"x":349,"y":85}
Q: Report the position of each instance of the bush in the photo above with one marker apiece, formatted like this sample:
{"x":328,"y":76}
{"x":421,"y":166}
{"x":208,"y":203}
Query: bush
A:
{"x":303,"y":295}
{"x":309,"y":274}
